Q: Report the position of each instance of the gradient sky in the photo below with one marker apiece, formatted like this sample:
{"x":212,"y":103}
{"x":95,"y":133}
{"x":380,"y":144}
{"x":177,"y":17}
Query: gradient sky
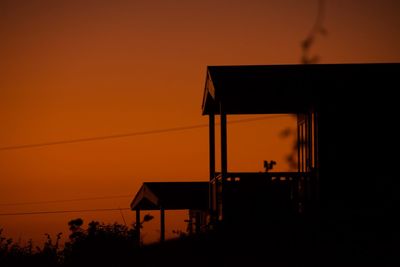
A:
{"x":76,"y":69}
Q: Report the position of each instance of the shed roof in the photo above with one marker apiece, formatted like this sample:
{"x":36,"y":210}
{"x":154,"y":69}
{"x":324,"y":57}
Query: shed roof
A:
{"x":171,"y":196}
{"x":269,"y":89}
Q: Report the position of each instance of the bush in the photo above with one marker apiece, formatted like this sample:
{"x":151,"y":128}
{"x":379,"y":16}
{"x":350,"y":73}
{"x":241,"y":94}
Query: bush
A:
{"x":98,"y":245}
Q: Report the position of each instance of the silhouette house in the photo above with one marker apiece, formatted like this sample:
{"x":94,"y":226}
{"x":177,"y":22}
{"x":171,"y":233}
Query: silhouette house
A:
{"x":192,"y":196}
{"x":346,"y":175}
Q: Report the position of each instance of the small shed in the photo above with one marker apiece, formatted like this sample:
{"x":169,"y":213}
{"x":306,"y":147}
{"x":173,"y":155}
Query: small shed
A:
{"x":192,"y":196}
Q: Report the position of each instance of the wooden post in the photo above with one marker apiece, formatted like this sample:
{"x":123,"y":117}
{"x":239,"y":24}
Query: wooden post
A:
{"x":298,"y":144}
{"x":138,"y":225}
{"x":162,"y":224}
{"x":212,"y":144}
{"x":316,"y":159}
{"x":224,"y":162}
{"x":212,"y":196}
{"x":224,"y":150}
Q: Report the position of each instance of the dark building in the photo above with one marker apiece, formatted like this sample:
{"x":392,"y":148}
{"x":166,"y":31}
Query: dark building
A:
{"x":347,"y":154}
{"x":340,"y":207}
{"x":348,"y":144}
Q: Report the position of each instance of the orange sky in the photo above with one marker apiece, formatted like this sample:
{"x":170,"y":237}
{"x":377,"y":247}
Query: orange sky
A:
{"x":76,"y":69}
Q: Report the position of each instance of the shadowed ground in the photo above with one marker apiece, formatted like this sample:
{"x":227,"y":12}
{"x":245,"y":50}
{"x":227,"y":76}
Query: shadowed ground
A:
{"x":300,"y":246}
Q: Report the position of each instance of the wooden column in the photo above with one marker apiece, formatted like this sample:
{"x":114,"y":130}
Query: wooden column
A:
{"x":162,"y":224}
{"x":298,"y":144}
{"x":211,"y":194}
{"x":138,"y":224}
{"x":316,"y":158}
{"x":211,"y":129}
{"x":310,"y":137}
{"x":224,"y":150}
{"x":224,"y":163}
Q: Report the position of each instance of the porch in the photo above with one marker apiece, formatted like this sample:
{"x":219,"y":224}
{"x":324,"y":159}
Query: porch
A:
{"x":274,"y":194}
{"x":255,"y":90}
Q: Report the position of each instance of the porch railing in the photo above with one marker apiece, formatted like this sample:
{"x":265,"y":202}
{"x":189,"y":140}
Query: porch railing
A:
{"x":299,"y":187}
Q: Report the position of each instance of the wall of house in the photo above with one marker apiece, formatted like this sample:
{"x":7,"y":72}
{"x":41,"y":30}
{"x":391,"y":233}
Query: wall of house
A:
{"x":358,"y":150}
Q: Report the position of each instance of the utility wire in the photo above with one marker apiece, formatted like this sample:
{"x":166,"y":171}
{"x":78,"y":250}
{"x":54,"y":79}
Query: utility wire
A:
{"x":62,"y":200}
{"x":60,"y":211}
{"x":124,"y":135}
{"x":103,"y":138}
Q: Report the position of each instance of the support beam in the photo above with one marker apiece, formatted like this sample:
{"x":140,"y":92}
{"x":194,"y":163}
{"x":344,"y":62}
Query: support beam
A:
{"x":224,"y":150}
{"x":162,"y":224}
{"x":298,"y":144}
{"x":211,"y":194}
{"x":224,"y":165}
{"x":211,"y":129}
{"x":316,"y":158}
{"x":138,"y":225}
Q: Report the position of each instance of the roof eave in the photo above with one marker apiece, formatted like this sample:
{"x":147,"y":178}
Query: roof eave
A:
{"x":144,"y":193}
{"x":209,"y":96}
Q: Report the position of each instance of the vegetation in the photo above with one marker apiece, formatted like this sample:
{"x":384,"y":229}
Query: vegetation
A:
{"x":16,"y":254}
{"x":98,"y":245}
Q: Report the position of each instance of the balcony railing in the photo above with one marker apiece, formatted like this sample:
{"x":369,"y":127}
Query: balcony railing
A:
{"x":295,"y":188}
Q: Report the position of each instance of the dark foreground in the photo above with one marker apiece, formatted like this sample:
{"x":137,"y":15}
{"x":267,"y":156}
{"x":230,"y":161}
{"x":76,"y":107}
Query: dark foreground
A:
{"x":276,"y":248}
{"x":279,"y":245}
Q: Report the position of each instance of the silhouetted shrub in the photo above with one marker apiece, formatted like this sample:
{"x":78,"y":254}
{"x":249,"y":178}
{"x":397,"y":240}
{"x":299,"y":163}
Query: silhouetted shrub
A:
{"x":98,"y":245}
{"x":15,"y":254}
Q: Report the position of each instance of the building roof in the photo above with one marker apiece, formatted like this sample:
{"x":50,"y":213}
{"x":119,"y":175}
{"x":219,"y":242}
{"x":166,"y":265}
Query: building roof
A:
{"x":272,"y":89}
{"x":171,"y":196}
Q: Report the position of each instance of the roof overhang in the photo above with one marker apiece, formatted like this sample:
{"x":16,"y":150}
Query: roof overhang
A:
{"x":273,"y":89}
{"x":171,"y":196}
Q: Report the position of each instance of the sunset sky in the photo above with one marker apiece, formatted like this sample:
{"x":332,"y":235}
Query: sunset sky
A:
{"x":81,"y":69}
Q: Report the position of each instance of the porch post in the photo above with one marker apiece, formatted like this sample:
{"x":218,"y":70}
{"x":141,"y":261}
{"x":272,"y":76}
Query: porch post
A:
{"x":224,"y":163}
{"x":298,"y":144}
{"x":316,"y":158}
{"x":138,"y":224}
{"x":211,"y":129}
{"x":212,"y":196}
{"x":224,"y":152}
{"x":162,"y":224}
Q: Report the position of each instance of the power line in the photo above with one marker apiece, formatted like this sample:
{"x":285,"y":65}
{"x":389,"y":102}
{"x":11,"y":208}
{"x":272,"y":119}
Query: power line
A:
{"x":60,"y":211}
{"x":63,"y":200}
{"x":124,"y":135}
